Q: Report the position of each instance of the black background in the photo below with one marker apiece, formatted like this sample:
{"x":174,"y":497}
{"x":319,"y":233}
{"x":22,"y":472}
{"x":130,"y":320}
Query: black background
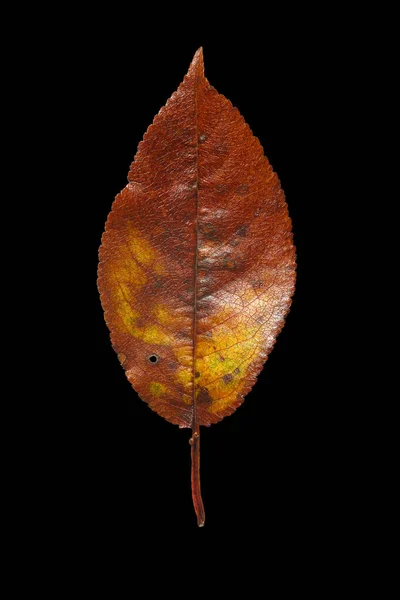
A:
{"x":294,"y":483}
{"x":276,"y":468}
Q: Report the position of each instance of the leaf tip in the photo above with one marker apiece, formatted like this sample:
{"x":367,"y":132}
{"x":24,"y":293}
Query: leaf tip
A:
{"x":197,"y":64}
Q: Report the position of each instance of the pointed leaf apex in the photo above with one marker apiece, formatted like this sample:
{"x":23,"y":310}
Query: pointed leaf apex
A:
{"x":197,"y":64}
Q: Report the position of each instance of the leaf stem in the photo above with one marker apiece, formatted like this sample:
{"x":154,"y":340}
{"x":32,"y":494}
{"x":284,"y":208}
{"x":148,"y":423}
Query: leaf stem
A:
{"x":196,"y":491}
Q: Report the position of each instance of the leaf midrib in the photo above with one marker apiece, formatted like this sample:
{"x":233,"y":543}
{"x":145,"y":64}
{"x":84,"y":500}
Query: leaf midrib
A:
{"x":195,"y":420}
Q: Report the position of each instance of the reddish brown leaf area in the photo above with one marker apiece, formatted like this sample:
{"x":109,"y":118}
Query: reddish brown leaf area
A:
{"x":197,"y":264}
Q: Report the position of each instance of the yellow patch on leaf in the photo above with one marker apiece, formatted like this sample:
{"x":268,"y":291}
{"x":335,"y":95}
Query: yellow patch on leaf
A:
{"x":143,"y":252}
{"x":140,"y":248}
{"x":187,"y":399}
{"x":223,"y":359}
{"x":163,"y":315}
{"x":159,"y":268}
{"x":157,"y":389}
{"x":184,"y":375}
{"x":184,"y":355}
{"x":151,"y":334}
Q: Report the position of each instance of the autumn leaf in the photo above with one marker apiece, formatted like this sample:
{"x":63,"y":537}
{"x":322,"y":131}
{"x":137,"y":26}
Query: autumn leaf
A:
{"x":197,"y":263}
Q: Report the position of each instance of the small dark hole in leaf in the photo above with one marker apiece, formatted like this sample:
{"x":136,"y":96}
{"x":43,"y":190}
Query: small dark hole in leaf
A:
{"x":153,"y":358}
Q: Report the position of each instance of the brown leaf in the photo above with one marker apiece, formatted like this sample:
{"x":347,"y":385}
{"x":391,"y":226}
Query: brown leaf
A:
{"x":197,"y":264}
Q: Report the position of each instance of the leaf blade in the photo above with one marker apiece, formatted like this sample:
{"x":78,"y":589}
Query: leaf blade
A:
{"x":199,"y":152}
{"x":197,"y":262}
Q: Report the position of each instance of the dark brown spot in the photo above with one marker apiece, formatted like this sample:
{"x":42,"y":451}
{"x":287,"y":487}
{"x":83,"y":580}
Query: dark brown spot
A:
{"x":242,"y":189}
{"x":172,"y":365}
{"x":208,"y":231}
{"x":197,"y":374}
{"x":221,"y":357}
{"x":229,"y":264}
{"x":227,"y":378}
{"x":204,"y":397}
{"x":242,"y":231}
{"x":236,"y":371}
{"x":153,"y":358}
{"x":258,"y":284}
{"x":221,"y":188}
